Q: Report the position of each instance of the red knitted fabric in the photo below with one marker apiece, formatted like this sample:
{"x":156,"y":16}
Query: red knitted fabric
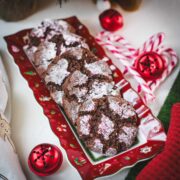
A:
{"x":166,"y":165}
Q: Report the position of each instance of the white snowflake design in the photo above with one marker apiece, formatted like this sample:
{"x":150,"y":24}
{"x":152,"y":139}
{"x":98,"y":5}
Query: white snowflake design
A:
{"x":146,"y":149}
{"x":156,"y":129}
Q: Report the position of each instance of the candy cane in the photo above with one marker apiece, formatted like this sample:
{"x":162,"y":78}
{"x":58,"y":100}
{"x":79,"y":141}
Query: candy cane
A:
{"x":169,"y":67}
{"x":121,"y":40}
{"x":152,"y":43}
{"x":132,"y":71}
{"x":113,"y":49}
{"x":118,"y":43}
{"x":124,"y":51}
{"x":123,"y":57}
{"x":114,"y":39}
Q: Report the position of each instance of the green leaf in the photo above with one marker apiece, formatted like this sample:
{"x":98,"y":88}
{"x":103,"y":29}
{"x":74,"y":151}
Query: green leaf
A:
{"x":31,"y":73}
{"x":80,"y":163}
{"x":72,"y":145}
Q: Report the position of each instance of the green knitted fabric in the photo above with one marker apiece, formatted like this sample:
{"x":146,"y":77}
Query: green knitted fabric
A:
{"x":164,"y":116}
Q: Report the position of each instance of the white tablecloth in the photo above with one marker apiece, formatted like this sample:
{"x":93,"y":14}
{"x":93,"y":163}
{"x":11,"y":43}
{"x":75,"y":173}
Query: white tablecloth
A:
{"x":29,"y":125}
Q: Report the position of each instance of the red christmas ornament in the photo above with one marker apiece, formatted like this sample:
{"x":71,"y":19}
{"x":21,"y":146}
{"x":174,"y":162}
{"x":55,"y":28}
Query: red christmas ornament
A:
{"x":150,"y":65}
{"x":111,"y":20}
{"x":45,"y":159}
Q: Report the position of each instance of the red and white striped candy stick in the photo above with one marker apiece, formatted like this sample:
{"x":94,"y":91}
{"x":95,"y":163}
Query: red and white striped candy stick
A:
{"x":121,"y":41}
{"x":142,"y":85}
{"x":152,"y":43}
{"x":171,"y":58}
{"x":118,"y":43}
{"x":124,"y":58}
{"x":124,"y":51}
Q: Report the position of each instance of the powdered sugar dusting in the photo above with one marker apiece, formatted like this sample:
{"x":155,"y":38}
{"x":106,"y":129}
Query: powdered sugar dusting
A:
{"x":43,"y":56}
{"x":124,"y":110}
{"x":84,"y":124}
{"x":98,"y":146}
{"x":71,"y":39}
{"x":72,"y":109}
{"x":99,"y":67}
{"x":128,"y":135}
{"x":111,"y":151}
{"x":106,"y":127}
{"x":76,"y":52}
{"x":58,"y":72}
{"x":30,"y":52}
{"x":127,"y":111}
{"x":57,"y":96}
{"x":79,"y":92}
{"x":99,"y":89}
{"x":52,"y":25}
{"x":38,"y":32}
{"x":63,"y":24}
{"x":77,"y":78}
{"x":88,"y":105}
{"x":114,"y":105}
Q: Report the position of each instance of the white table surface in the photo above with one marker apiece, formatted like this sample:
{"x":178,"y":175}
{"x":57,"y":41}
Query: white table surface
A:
{"x":29,"y":125}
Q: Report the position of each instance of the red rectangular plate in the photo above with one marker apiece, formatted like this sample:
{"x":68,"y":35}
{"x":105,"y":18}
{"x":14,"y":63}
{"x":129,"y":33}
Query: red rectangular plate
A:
{"x":151,"y":136}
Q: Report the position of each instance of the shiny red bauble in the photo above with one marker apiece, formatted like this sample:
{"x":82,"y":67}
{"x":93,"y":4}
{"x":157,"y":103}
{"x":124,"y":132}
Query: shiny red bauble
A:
{"x":150,"y":65}
{"x":111,"y":20}
{"x":45,"y":159}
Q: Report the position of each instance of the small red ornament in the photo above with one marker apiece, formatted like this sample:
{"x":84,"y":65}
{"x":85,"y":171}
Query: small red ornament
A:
{"x":150,"y":65}
{"x":45,"y":159}
{"x":111,"y":20}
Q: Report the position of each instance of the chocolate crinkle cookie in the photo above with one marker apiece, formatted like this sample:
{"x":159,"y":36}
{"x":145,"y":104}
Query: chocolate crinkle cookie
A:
{"x":45,"y":31}
{"x":44,"y":55}
{"x":79,"y":87}
{"x":107,"y":125}
{"x":51,"y":39}
{"x":62,"y":66}
{"x":65,"y":65}
{"x":66,"y":41}
{"x":82,"y":84}
{"x":46,"y":51}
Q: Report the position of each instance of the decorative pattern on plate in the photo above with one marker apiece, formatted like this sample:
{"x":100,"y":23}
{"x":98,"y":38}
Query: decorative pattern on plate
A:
{"x":89,"y":165}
